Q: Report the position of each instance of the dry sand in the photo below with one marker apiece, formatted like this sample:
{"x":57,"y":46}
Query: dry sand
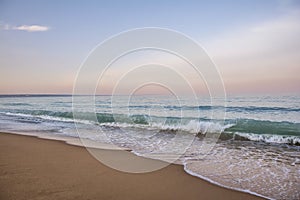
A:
{"x":33,"y":168}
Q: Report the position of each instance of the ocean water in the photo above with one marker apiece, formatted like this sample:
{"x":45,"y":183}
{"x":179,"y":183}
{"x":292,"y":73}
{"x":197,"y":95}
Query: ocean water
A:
{"x":258,"y":150}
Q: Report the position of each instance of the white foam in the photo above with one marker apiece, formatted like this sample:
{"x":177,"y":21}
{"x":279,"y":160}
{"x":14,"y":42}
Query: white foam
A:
{"x":192,"y":126}
{"x":268,"y":138}
{"x":47,"y":117}
{"x":224,"y":186}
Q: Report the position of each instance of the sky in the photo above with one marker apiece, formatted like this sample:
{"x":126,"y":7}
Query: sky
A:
{"x":255,"y":44}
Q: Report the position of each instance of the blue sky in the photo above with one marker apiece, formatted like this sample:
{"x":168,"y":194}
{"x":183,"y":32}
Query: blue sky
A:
{"x":47,"y":61}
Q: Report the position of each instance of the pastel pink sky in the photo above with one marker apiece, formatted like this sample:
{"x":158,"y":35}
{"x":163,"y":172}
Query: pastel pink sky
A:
{"x":255,"y":55}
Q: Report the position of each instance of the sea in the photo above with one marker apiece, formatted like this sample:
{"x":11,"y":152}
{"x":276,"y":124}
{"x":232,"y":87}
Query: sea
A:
{"x":257,"y":148}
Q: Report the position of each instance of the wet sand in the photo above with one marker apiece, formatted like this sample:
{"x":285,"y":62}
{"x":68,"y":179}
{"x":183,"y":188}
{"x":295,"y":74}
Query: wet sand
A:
{"x":33,"y":168}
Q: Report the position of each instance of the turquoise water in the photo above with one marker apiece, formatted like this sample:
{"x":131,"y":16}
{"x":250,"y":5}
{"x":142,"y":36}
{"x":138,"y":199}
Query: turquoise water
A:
{"x":259,"y":141}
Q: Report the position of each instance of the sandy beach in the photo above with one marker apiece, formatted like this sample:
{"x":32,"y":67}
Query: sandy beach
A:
{"x":33,"y":168}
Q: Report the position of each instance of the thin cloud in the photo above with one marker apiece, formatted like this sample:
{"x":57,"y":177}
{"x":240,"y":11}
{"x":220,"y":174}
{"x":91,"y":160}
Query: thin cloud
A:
{"x":28,"y":28}
{"x":262,"y":55}
{"x":271,"y":38}
{"x":31,"y":28}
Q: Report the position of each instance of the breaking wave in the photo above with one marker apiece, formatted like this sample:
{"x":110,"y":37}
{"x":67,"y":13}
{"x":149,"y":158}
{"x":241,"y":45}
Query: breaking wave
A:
{"x":240,"y":129}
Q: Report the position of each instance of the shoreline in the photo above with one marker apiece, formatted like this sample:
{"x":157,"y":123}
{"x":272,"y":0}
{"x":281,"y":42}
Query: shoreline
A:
{"x":16,"y":169}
